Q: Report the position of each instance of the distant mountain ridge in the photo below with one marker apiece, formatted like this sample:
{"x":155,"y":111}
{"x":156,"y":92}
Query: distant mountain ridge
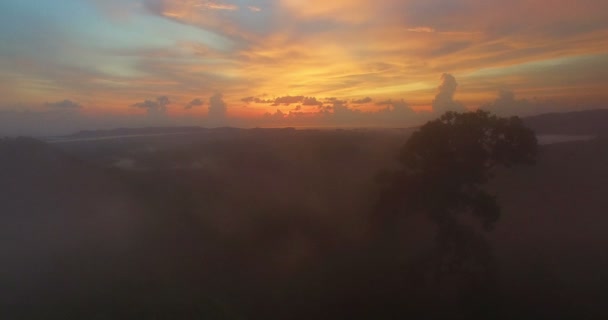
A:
{"x":134,"y":131}
{"x":587,"y":122}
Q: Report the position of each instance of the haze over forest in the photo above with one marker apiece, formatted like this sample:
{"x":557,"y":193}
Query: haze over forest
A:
{"x":288,"y":224}
{"x":303,"y":159}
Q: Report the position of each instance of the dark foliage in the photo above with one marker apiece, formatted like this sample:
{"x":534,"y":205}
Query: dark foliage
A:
{"x":445,"y":164}
{"x":444,"y":167}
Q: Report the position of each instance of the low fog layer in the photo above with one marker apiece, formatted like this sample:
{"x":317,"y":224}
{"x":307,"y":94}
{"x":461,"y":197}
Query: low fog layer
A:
{"x":275,"y":224}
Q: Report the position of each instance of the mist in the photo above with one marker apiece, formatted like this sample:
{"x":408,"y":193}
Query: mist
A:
{"x":285,"y":224}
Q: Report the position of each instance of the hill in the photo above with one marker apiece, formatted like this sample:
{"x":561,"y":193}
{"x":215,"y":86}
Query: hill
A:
{"x":132,"y":131}
{"x":588,"y":122}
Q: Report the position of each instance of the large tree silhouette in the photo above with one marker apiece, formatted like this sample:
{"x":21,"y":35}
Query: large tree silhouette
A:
{"x":445,"y":164}
{"x":444,"y":167}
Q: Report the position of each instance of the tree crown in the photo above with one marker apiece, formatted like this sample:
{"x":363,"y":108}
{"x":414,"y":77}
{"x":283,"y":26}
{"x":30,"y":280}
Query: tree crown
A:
{"x":445,"y":163}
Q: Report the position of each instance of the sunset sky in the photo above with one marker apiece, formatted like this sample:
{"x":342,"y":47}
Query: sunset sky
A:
{"x":295,"y":62}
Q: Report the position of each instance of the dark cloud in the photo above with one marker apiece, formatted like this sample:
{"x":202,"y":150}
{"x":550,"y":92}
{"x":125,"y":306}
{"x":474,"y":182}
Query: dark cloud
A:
{"x":249,"y":99}
{"x":395,"y":104}
{"x":334,"y":100}
{"x":362,"y":101}
{"x":384,"y":103}
{"x":337,"y":112}
{"x":277,"y":116}
{"x":65,"y":104}
{"x":194,"y":103}
{"x":287,"y":100}
{"x":444,"y":100}
{"x":311,"y":101}
{"x":156,"y":107}
{"x":342,"y":110}
{"x":256,"y":100}
{"x":217,"y":115}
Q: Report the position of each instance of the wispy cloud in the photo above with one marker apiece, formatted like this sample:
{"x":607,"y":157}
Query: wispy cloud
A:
{"x":254,"y":8}
{"x":65,"y":104}
{"x":217,"y":6}
{"x":421,"y":29}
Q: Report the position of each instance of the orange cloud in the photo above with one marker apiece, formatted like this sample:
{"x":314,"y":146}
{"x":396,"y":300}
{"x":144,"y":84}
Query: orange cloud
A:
{"x":355,"y":50}
{"x":217,"y":6}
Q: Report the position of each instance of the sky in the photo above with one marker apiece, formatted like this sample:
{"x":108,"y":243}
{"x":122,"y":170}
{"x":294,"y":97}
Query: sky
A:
{"x":80,"y":64}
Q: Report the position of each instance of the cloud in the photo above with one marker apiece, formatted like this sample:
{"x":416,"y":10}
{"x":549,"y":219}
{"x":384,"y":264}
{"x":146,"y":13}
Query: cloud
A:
{"x":421,"y":29}
{"x":362,"y":101}
{"x":277,"y":116}
{"x":396,"y":113}
{"x":287,"y":100}
{"x":384,"y":102}
{"x":156,"y":107}
{"x":217,"y":115}
{"x":194,"y":103}
{"x":444,"y":100}
{"x":397,"y":108}
{"x":232,"y":21}
{"x":217,"y":6}
{"x":507,"y":105}
{"x":65,"y":104}
{"x":319,"y":42}
{"x":257,"y":100}
{"x":251,"y":99}
{"x":311,"y":101}
{"x":342,"y":111}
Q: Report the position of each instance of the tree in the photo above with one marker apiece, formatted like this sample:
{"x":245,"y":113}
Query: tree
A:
{"x":445,"y":164}
{"x":443,"y":169}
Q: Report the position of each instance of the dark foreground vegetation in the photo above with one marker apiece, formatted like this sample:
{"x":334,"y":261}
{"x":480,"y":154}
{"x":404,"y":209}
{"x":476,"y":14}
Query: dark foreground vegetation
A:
{"x":465,"y":218}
